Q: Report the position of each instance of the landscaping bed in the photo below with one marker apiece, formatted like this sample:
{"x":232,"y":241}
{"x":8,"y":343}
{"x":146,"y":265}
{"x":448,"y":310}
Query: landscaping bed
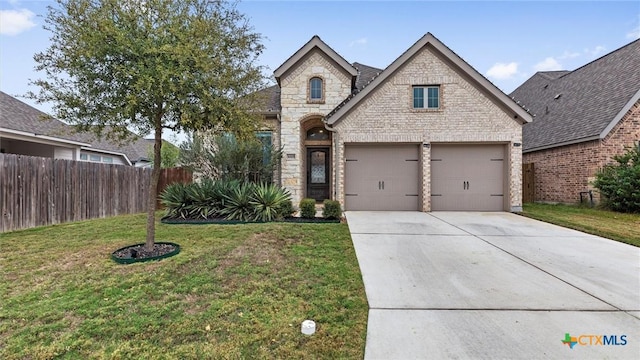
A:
{"x":223,"y":221}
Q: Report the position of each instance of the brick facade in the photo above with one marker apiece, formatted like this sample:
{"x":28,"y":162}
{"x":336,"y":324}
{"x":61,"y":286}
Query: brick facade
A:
{"x":561,"y":173}
{"x":466,"y":115}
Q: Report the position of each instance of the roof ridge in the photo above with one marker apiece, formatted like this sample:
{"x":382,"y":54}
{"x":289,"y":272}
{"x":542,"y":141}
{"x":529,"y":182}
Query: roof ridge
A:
{"x":600,"y":58}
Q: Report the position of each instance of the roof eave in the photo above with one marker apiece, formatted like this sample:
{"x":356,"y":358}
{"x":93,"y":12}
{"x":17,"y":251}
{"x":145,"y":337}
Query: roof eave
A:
{"x":634,"y":99}
{"x":43,"y":137}
{"x":564,"y":143}
{"x":518,"y":113}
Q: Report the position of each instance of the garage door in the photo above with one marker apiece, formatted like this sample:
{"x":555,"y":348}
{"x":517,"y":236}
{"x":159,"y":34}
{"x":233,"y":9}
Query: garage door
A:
{"x":382,"y":177}
{"x":467,"y":177}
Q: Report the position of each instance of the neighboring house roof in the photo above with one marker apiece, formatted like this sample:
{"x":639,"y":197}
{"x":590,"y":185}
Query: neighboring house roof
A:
{"x":580,"y":105}
{"x":314,"y":43}
{"x":136,"y":149}
{"x":517,"y":112}
{"x":269,"y":100}
{"x":21,"y":118}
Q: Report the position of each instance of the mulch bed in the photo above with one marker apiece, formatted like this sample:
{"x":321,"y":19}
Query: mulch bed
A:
{"x":317,"y":220}
{"x":139,"y":253}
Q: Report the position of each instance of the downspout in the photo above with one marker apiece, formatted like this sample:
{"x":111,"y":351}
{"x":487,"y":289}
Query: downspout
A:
{"x":335,"y":156}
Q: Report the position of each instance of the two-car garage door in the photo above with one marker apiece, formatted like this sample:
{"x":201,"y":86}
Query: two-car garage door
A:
{"x":388,"y":177}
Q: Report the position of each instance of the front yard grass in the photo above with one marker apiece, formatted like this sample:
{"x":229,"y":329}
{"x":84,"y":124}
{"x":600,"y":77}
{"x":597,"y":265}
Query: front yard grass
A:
{"x":234,"y":291}
{"x":612,"y":225}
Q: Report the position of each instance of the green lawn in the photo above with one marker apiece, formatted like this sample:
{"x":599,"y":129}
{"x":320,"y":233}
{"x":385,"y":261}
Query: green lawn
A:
{"x":613,"y":225}
{"x":234,"y":291}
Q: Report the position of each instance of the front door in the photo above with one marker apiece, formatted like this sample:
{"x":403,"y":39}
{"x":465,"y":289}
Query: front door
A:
{"x":318,"y":173}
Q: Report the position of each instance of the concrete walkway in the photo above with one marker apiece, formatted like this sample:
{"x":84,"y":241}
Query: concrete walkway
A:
{"x":495,"y":286}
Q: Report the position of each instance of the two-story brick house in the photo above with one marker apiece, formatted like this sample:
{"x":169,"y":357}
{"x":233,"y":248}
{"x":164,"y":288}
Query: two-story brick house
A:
{"x":426,"y":133}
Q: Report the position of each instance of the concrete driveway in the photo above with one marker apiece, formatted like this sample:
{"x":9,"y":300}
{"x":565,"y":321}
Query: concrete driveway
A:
{"x":494,"y":285}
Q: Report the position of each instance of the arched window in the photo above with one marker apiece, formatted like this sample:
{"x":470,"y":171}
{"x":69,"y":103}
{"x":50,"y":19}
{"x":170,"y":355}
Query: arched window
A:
{"x":315,"y":89}
{"x":318,"y":133}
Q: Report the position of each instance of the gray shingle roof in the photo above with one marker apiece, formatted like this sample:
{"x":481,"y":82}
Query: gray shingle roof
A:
{"x":365,"y":75}
{"x":574,"y":106}
{"x":17,"y":115}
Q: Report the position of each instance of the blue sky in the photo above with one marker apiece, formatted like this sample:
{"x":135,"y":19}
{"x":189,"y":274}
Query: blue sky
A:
{"x":506,"y":41}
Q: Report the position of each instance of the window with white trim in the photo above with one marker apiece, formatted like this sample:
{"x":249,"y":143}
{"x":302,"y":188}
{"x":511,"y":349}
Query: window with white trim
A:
{"x":426,"y":97}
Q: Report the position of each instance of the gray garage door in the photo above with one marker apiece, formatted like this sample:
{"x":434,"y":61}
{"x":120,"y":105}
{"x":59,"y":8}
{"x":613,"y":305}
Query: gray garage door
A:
{"x":382,"y":177}
{"x":467,"y":177}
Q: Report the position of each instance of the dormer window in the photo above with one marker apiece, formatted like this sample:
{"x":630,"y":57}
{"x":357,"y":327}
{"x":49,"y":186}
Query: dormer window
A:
{"x":316,"y":90}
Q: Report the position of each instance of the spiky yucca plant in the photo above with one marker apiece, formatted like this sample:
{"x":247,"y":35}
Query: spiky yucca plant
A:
{"x":267,"y":201}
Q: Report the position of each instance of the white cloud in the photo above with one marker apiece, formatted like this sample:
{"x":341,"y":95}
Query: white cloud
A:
{"x":634,"y":34}
{"x":596,"y":51}
{"x":13,"y":22}
{"x":548,"y":64}
{"x":503,"y":71}
{"x":569,"y":55}
{"x":361,"y":41}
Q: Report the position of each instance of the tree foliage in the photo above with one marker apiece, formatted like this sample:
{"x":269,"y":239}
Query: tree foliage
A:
{"x":226,"y":157}
{"x":147,"y":66}
{"x":169,"y":155}
{"x":619,"y":183}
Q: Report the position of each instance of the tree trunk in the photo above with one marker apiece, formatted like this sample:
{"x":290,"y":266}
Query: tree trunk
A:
{"x":153,"y":189}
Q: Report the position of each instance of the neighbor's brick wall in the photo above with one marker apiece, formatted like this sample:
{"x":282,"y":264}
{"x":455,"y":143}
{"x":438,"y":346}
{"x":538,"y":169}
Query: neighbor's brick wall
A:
{"x":466,"y":115}
{"x":562,"y":172}
{"x":296,"y":110}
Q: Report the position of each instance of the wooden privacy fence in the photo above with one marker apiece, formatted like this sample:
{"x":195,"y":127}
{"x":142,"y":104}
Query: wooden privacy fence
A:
{"x":170,"y":176}
{"x":528,"y":183}
{"x":38,"y":191}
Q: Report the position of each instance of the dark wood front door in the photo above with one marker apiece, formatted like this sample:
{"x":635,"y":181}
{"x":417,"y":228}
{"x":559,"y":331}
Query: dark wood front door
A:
{"x":318,"y":173}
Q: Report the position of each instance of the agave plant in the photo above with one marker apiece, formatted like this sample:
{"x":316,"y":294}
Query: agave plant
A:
{"x":237,"y":203}
{"x":204,"y":200}
{"x":267,"y":201}
{"x":177,"y":200}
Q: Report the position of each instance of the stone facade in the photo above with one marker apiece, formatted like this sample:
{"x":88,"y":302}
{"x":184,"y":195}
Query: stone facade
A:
{"x":561,"y":173}
{"x":466,"y":115}
{"x":297,"y":109}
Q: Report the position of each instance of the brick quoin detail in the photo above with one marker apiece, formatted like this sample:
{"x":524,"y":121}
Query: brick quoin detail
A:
{"x":561,"y":173}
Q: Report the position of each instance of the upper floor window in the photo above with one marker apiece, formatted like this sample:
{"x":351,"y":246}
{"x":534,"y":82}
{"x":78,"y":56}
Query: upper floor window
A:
{"x":315,"y":89}
{"x":426,"y":97}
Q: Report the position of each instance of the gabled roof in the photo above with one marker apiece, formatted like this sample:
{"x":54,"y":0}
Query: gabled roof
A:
{"x":580,"y":105}
{"x":312,"y":44}
{"x":517,"y":112}
{"x":20,"y":118}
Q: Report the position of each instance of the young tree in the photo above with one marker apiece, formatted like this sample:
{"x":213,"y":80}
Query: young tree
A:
{"x":148,"y":66}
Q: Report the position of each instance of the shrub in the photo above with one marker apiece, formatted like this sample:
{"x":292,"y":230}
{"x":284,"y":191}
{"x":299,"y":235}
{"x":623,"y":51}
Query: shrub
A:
{"x":619,"y":183}
{"x":286,"y":209}
{"x":176,"y":200}
{"x":237,"y":205}
{"x":331,"y":209}
{"x":225,"y":157}
{"x":308,"y":208}
{"x":206,"y":202}
{"x":267,"y":200}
